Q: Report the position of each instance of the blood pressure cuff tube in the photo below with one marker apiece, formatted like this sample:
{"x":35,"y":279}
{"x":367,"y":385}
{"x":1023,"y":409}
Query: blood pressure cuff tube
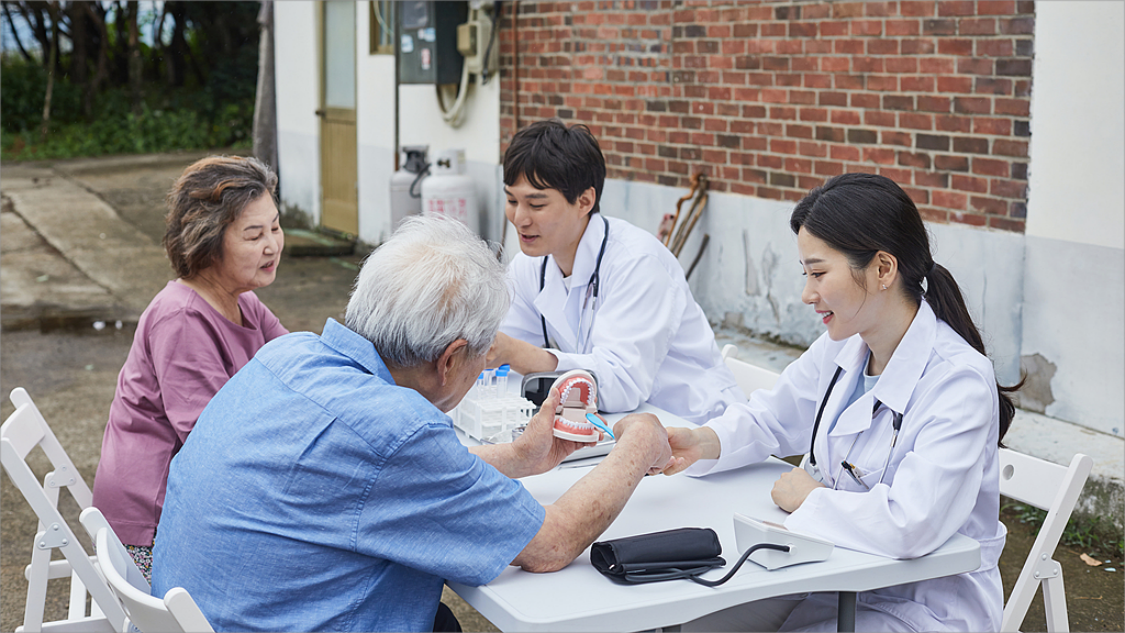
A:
{"x":657,"y":556}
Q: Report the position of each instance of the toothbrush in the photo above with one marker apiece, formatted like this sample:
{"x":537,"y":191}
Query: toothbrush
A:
{"x":593,"y":419}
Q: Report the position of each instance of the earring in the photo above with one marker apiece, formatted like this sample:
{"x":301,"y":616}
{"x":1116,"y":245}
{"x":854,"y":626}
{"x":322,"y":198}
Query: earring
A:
{"x":884,"y":286}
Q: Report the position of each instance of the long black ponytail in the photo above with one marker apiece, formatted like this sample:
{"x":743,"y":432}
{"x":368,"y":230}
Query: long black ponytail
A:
{"x":862,"y":214}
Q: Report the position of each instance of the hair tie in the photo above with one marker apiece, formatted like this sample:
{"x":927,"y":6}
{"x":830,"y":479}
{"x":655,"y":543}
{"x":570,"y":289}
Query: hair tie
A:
{"x":933,"y":266}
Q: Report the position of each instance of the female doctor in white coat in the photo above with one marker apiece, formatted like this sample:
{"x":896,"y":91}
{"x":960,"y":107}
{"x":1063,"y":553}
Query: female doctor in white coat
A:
{"x":898,"y":404}
{"x":597,"y":293}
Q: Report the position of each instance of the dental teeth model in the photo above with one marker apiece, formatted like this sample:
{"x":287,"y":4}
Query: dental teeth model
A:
{"x":579,"y":396}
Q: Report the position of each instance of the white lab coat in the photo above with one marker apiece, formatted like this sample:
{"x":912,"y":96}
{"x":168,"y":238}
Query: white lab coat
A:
{"x":943,"y":475}
{"x":650,"y":341}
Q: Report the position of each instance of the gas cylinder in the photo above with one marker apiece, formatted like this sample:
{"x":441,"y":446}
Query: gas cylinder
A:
{"x":449,"y":192}
{"x":406,"y":190}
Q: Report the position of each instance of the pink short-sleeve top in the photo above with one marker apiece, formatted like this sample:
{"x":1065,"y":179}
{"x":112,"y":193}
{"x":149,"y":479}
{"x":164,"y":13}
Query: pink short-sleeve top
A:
{"x":183,"y":352}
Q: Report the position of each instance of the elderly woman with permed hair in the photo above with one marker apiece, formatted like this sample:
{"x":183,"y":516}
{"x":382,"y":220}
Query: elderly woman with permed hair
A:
{"x":224,"y":240}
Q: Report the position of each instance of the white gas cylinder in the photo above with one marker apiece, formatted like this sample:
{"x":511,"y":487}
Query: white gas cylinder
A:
{"x":406,"y":190}
{"x":449,"y":192}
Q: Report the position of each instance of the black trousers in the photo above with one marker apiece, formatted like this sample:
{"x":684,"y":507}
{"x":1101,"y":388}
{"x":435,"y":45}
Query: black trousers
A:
{"x":445,"y":620}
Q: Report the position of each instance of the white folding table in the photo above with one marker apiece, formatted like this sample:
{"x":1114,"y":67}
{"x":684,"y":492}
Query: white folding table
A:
{"x":578,"y":598}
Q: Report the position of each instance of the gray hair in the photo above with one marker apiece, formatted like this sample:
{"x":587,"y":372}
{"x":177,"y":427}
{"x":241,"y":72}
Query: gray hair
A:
{"x":431,"y":283}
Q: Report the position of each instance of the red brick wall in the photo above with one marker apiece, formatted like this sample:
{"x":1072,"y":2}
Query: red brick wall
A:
{"x":772,"y":98}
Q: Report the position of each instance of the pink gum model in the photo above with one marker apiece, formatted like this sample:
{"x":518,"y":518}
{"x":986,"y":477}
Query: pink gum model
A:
{"x":579,"y":397}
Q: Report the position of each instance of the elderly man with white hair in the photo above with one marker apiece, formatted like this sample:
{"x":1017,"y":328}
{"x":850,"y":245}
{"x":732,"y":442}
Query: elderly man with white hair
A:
{"x":324,"y":488}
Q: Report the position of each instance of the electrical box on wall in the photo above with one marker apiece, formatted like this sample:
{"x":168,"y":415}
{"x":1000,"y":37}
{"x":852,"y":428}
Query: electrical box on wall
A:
{"x":428,"y":46}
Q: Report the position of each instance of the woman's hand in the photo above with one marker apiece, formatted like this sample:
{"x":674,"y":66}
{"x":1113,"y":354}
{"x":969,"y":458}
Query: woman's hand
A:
{"x":523,"y":357}
{"x":690,"y":446}
{"x":791,"y":489}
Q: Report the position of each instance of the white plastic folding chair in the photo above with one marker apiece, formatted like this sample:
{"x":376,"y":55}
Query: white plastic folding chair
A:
{"x":1053,"y":488}
{"x":749,"y":377}
{"x":23,"y":431}
{"x":144,"y":612}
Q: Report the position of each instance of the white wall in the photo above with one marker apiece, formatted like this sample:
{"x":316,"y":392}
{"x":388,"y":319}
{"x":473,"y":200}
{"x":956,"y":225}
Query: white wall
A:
{"x":295,"y":59}
{"x":375,"y":116}
{"x":1074,"y":285}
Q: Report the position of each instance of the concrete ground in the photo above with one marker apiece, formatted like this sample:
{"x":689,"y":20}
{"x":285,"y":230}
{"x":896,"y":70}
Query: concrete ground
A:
{"x":79,"y":248}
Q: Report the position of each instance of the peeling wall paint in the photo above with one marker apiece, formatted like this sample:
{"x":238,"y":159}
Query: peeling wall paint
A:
{"x":1035,"y":395}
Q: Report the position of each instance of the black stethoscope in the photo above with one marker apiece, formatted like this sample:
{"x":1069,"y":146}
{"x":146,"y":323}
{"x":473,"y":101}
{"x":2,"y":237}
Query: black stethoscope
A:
{"x":591,"y":292}
{"x":845,"y":465}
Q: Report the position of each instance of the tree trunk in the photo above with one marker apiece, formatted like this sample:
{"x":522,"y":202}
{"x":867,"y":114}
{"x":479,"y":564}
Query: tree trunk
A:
{"x":177,"y":47}
{"x":80,"y":55}
{"x":15,"y":33}
{"x":97,"y":17}
{"x":136,"y":64}
{"x":52,"y":8}
{"x":265,"y":102}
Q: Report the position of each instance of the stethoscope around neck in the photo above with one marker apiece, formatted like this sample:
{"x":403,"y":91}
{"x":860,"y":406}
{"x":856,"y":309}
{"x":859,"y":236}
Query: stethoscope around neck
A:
{"x":591,"y":299}
{"x":845,"y":465}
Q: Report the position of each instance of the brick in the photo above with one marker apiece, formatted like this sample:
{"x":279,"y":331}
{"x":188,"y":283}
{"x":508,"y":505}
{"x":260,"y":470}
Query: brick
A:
{"x":867,"y":64}
{"x":992,"y":85}
{"x":972,"y":105}
{"x":974,"y":66}
{"x":947,"y":162}
{"x":1006,"y":224}
{"x":862,"y":136}
{"x":990,"y":167}
{"x":1004,"y":188}
{"x":971,"y":219}
{"x":932,"y":141}
{"x":947,"y":85}
{"x":882,"y":83}
{"x":1005,"y":147}
{"x":917,"y":83}
{"x":805,"y":30}
{"x":755,"y":175}
{"x":835,"y":64}
{"x":970,"y":145}
{"x":876,"y":118}
{"x":832,"y":134}
{"x":950,"y":199}
{"x":898,"y":102}
{"x":996,"y":7}
{"x":992,"y":126}
{"x":955,"y":46}
{"x":864,"y":100}
{"x":846,"y":117}
{"x":838,"y":99}
{"x":939,"y":27}
{"x":899,"y":28}
{"x":931,"y":214}
{"x":1013,"y":107}
{"x":915,"y":121}
{"x":1021,"y":128}
{"x":977,"y":26}
{"x":799,"y":131}
{"x":779,"y":113}
{"x":848,"y":47}
{"x":815,"y":150}
{"x":990,"y":206}
{"x":892,"y":137}
{"x":917,"y":9}
{"x":798,"y":165}
{"x":1025,"y":48}
{"x":934,"y":104}
{"x":909,"y":159}
{"x":745,"y":30}
{"x":844,"y":152}
{"x":850,"y":82}
{"x":770,"y":161}
{"x":1017,"y":26}
{"x":866,"y":28}
{"x":828,"y":168}
{"x":937,"y":65}
{"x":879,"y":155}
{"x":955,"y":7}
{"x":968,"y":183}
{"x":714,"y":125}
{"x":917,"y":47}
{"x":1014,"y":67}
{"x":1018,"y":210}
{"x":919,"y":196}
{"x":833,"y":29}
{"x":993,"y":48}
{"x":817,"y":81}
{"x":847,"y":9}
{"x":953,"y":123}
{"x":783,"y":146}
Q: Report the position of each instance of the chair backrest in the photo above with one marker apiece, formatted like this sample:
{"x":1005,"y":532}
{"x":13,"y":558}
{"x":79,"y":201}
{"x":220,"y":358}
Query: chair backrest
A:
{"x":749,"y":377}
{"x":25,"y":429}
{"x":1053,"y":488}
{"x":146,"y":613}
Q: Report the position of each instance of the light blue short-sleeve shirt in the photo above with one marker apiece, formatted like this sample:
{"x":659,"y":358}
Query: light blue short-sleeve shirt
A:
{"x":316,"y":495}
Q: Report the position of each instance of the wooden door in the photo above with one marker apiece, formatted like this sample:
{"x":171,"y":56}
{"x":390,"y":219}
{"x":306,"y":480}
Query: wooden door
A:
{"x":338,"y":172}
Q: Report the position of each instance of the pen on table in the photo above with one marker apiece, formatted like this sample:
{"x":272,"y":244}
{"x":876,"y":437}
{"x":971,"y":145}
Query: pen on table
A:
{"x":593,"y":419}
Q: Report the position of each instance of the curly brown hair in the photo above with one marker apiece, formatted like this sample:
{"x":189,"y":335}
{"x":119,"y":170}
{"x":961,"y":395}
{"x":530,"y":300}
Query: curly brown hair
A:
{"x":204,"y":201}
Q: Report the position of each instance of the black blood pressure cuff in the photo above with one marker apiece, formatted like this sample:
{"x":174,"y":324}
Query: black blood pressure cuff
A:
{"x":658,"y":556}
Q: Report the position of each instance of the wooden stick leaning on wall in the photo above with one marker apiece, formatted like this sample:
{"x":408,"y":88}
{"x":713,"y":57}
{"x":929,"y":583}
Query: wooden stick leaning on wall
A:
{"x":676,"y":218}
{"x":692,"y":217}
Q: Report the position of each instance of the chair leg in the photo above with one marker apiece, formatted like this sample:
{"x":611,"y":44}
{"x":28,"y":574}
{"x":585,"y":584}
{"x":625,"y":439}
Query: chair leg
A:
{"x":77,"y":608}
{"x":1054,"y":604}
{"x":36,"y":587}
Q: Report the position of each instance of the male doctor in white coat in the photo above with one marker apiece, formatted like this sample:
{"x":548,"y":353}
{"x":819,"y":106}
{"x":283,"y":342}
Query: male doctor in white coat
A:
{"x":595,"y":293}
